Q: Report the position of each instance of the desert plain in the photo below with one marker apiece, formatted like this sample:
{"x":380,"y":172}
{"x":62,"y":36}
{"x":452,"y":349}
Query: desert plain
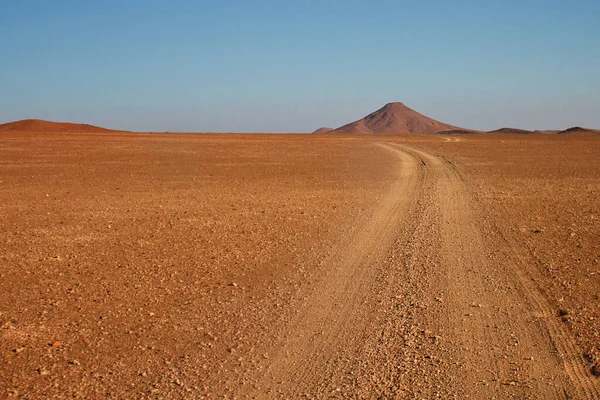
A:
{"x":299,"y":266}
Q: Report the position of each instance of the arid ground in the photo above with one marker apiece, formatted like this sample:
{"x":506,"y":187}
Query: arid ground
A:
{"x":299,"y":266}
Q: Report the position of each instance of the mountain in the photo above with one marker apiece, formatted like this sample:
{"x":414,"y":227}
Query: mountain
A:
{"x":38,"y":125}
{"x":395,"y":118}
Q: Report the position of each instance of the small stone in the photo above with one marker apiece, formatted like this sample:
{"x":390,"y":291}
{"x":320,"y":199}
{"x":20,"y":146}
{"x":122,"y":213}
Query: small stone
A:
{"x":562,"y":312}
{"x":595,"y":370}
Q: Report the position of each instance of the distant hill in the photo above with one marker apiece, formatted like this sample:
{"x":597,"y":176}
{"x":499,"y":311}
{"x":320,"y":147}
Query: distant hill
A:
{"x":323,"y":130}
{"x":578,"y":129}
{"x":395,"y":118}
{"x":511,"y":130}
{"x":38,"y":125}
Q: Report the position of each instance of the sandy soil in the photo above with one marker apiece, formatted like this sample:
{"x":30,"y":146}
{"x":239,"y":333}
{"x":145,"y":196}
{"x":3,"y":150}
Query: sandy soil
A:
{"x":257,"y":266}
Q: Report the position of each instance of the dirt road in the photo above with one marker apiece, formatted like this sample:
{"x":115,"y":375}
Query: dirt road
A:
{"x":426,"y":300}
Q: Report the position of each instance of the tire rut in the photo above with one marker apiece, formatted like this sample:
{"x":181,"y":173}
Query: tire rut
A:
{"x":476,"y":323}
{"x":333,"y":321}
{"x":512,"y":324}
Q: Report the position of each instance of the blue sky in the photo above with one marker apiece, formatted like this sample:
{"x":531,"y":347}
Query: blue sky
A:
{"x":294,"y":66}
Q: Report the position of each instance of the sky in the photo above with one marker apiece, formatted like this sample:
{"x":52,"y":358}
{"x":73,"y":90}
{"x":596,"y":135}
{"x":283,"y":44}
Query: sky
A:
{"x":297,"y":65}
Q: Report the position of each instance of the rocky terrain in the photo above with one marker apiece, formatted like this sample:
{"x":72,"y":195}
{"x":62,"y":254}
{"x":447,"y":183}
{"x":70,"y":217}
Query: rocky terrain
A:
{"x":282,"y":266}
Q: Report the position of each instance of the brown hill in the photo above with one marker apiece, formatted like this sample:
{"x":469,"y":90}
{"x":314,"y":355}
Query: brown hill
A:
{"x":395,"y":118}
{"x":323,"y":130}
{"x":578,"y":129}
{"x":38,"y":125}
{"x":511,"y":130}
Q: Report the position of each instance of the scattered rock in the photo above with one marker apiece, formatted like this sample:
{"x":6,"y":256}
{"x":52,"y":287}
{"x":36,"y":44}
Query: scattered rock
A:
{"x":562,"y":312}
{"x":595,"y":370}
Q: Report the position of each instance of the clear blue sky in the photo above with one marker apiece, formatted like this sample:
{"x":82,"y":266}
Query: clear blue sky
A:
{"x":294,"y":66}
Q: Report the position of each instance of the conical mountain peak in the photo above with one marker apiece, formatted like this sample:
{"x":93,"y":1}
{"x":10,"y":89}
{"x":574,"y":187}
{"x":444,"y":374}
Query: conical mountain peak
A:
{"x":395,"y":105}
{"x":395,"y":118}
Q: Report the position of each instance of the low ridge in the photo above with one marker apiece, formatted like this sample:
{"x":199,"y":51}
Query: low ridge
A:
{"x":323,"y":130}
{"x":511,"y":130}
{"x":395,"y":118}
{"x":578,"y":129}
{"x":39,"y":125}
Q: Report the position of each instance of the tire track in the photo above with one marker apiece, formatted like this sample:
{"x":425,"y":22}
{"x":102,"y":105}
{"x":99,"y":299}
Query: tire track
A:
{"x":332,"y":323}
{"x":557,"y":356}
{"x":479,"y":303}
{"x":565,"y":344}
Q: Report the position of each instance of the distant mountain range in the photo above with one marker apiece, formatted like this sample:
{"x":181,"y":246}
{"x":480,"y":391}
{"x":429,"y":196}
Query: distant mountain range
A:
{"x":397,"y":118}
{"x":392,"y":119}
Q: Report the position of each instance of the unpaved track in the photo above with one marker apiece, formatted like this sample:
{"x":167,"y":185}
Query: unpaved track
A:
{"x":429,"y":300}
{"x":333,"y":322}
{"x":502,"y":333}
